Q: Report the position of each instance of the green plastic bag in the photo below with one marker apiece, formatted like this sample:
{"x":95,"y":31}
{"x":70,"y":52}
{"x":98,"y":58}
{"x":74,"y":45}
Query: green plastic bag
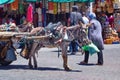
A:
{"x":85,"y":48}
{"x":92,"y":48}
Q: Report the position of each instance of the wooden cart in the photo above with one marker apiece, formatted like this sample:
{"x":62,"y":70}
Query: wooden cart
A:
{"x":6,"y":42}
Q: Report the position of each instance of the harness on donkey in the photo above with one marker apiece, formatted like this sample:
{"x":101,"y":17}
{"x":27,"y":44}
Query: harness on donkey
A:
{"x":51,"y":30}
{"x":50,"y":35}
{"x":47,"y":36}
{"x":53,"y":35}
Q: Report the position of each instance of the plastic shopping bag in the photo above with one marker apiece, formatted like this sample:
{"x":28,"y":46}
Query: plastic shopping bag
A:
{"x":92,"y":48}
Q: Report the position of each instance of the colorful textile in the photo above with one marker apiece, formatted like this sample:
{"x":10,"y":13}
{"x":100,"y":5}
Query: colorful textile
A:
{"x":14,"y":5}
{"x":21,"y":8}
{"x":30,"y":13}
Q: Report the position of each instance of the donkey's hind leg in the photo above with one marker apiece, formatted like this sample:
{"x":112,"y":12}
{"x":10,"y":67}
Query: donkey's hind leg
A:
{"x":30,"y":63}
{"x":32,"y":54}
{"x":35,"y":61}
{"x":65,"y":58}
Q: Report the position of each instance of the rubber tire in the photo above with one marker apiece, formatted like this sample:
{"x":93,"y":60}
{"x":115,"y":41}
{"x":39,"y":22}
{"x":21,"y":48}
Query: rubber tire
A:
{"x":5,"y":63}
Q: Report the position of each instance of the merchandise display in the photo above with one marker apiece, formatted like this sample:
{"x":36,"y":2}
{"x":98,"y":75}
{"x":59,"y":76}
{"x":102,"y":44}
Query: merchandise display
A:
{"x":111,"y":36}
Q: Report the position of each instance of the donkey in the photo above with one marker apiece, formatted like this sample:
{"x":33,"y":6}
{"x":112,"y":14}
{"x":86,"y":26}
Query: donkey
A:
{"x":55,"y":41}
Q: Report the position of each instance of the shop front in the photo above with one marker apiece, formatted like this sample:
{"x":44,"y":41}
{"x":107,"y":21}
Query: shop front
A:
{"x":46,"y":10}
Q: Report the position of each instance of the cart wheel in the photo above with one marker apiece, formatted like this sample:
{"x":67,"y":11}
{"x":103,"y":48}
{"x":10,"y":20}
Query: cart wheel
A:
{"x":5,"y":63}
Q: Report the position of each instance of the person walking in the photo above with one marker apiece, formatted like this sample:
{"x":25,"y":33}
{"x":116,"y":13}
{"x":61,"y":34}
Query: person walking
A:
{"x":75,"y":17}
{"x":95,"y":35}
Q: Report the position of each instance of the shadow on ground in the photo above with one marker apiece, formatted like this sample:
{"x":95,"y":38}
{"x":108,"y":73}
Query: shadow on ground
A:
{"x":25,"y":67}
{"x":89,"y":64}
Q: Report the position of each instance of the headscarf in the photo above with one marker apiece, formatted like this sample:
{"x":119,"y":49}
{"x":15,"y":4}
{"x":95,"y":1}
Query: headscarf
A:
{"x":92,"y":16}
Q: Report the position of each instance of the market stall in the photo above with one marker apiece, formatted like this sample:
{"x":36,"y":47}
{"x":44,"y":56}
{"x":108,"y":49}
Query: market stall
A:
{"x":117,"y":21}
{"x":60,"y":10}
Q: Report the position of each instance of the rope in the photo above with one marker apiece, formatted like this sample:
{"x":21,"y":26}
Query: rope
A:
{"x":58,"y":52}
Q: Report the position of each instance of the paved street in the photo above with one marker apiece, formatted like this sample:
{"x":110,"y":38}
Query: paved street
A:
{"x":50,"y":67}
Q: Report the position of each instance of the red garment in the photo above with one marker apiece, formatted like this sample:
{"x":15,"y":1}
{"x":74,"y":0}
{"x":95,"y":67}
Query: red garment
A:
{"x":68,"y":22}
{"x":111,"y":21}
{"x":30,"y":13}
{"x":108,"y":0}
{"x":0,"y":21}
{"x":41,"y":5}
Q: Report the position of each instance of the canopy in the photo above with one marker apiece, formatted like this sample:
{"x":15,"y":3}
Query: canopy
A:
{"x":85,"y":0}
{"x":6,"y":1}
{"x":32,"y":0}
{"x":61,"y":1}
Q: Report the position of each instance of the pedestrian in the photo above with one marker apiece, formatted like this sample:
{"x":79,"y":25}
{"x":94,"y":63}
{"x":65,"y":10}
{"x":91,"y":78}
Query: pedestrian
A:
{"x":95,"y":35}
{"x":35,"y":19}
{"x":75,"y":17}
{"x":85,"y":19}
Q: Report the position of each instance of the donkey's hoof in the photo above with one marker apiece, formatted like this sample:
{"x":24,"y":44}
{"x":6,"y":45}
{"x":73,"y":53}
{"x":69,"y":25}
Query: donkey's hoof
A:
{"x":67,"y":69}
{"x":35,"y":67}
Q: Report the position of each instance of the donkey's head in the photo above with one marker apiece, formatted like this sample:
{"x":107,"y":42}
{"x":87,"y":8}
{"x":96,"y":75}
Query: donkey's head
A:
{"x":79,"y":33}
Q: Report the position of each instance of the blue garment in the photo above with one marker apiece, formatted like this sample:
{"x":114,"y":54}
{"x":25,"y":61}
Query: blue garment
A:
{"x":73,"y":47}
{"x":75,"y":17}
{"x":95,"y":34}
{"x":92,"y":16}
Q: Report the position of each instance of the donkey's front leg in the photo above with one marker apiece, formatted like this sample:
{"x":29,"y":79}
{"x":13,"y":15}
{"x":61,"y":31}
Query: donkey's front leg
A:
{"x":30,"y":63}
{"x":65,"y":58}
{"x":32,"y":54}
{"x":35,"y":61}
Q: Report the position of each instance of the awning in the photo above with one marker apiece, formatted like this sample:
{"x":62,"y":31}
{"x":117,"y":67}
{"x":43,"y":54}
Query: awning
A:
{"x":6,"y":1}
{"x":62,"y":1}
{"x":32,"y":0}
{"x":85,"y":0}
